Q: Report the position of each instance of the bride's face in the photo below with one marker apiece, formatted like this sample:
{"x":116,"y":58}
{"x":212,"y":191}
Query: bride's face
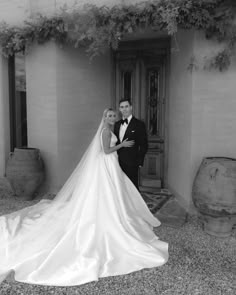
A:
{"x":110,"y":117}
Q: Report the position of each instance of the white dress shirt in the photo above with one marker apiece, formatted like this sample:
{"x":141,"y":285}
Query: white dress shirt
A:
{"x":123,"y":128}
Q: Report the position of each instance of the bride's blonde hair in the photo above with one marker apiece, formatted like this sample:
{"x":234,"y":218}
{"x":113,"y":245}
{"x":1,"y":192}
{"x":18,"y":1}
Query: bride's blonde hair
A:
{"x":106,"y":111}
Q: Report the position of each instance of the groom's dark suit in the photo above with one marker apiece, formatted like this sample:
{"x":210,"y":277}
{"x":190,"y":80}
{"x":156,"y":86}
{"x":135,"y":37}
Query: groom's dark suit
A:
{"x":131,"y":158}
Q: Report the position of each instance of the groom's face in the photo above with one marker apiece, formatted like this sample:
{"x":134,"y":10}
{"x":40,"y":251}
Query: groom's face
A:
{"x":125,"y":109}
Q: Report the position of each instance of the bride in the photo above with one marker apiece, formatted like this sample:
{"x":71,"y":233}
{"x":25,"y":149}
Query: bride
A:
{"x":97,"y":226}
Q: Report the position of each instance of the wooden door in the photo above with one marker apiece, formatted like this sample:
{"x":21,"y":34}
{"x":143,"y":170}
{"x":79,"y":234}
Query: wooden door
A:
{"x":17,"y":101}
{"x":140,"y":75}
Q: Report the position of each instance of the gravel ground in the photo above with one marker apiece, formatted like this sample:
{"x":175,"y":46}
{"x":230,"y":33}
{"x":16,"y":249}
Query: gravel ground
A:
{"x":198,"y":264}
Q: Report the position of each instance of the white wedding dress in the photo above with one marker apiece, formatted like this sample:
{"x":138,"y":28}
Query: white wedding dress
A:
{"x":97,"y":226}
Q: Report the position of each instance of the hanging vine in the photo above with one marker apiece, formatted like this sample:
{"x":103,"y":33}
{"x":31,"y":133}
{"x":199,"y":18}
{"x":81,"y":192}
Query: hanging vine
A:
{"x":98,"y":28}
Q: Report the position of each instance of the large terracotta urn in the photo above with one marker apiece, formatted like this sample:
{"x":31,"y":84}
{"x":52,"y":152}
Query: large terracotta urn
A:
{"x":214,"y":195}
{"x":25,"y":172}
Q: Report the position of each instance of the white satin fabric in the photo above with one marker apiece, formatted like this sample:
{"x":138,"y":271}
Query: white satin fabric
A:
{"x":97,"y":226}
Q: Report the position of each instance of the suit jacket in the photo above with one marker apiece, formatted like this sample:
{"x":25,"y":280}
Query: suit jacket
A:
{"x":133,"y":156}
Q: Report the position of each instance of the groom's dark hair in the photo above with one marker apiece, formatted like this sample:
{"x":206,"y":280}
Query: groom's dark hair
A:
{"x":124,"y":100}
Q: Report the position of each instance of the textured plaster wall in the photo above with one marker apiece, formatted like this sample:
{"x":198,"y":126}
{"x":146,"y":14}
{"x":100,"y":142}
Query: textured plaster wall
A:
{"x":66,"y":96}
{"x":53,"y":6}
{"x":213,"y":108}
{"x":42,"y":109}
{"x":83,"y":92}
{"x":180,"y":116}
{"x":202,"y":112}
{"x":14,"y":11}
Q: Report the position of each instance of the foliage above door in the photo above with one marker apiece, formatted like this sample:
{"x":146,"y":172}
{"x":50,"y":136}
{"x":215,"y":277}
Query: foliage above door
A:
{"x":98,"y":28}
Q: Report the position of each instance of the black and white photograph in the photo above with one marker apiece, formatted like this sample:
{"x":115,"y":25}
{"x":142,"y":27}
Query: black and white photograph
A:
{"x":117,"y":147}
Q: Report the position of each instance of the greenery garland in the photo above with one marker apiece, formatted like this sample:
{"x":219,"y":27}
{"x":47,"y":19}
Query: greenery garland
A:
{"x":98,"y":28}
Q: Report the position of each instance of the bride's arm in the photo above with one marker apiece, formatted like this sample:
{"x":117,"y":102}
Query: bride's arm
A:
{"x":106,"y":140}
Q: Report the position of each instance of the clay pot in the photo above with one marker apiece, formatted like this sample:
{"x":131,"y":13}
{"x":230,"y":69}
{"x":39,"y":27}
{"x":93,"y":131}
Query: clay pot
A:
{"x":214,"y":195}
{"x":25,"y":172}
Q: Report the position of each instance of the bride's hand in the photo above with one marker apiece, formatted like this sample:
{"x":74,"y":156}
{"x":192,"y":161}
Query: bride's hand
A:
{"x":127,"y":143}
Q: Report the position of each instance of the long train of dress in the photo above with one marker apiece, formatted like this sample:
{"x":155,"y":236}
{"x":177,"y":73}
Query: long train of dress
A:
{"x":102,"y":228}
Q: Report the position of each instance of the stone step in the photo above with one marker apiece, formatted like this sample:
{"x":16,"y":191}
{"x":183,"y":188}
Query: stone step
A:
{"x":150,"y":183}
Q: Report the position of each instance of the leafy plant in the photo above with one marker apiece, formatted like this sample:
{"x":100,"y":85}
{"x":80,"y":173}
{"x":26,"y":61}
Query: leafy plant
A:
{"x":98,"y":28}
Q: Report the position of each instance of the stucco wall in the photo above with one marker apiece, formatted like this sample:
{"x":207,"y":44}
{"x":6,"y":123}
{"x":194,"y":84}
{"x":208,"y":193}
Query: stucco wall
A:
{"x":14,"y":11}
{"x":83,"y":92}
{"x":66,"y":96}
{"x":53,"y":6}
{"x":180,"y":116}
{"x":42,"y":109}
{"x":202,"y":112}
{"x":213,"y":108}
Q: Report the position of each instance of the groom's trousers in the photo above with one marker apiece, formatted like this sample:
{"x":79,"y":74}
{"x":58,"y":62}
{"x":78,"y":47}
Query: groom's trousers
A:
{"x":131,"y":172}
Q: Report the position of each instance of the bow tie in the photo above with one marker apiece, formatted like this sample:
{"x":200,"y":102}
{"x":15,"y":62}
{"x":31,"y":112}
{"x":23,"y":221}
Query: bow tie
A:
{"x":124,"y":121}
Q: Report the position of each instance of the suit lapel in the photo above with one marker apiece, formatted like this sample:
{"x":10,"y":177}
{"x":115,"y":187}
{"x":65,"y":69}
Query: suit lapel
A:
{"x":118,"y":130}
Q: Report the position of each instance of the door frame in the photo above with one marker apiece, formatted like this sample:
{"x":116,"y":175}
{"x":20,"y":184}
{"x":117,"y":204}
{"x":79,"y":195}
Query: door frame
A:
{"x":161,"y":46}
{"x":17,"y":106}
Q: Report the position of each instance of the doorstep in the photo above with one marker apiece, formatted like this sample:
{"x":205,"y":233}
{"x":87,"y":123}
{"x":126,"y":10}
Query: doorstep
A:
{"x":164,"y":206}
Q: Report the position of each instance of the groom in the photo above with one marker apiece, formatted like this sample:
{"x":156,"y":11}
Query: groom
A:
{"x":131,"y":158}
